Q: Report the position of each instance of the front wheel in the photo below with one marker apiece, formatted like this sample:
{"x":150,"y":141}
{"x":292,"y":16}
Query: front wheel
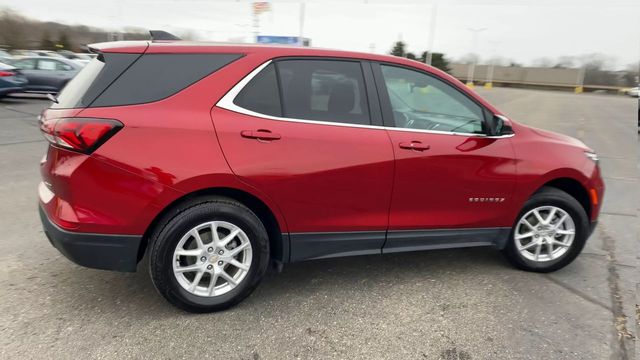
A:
{"x":550,"y":232}
{"x":209,"y":256}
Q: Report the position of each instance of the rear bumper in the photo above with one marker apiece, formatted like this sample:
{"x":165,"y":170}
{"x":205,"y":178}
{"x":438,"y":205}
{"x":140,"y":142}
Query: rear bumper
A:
{"x":98,"y":251}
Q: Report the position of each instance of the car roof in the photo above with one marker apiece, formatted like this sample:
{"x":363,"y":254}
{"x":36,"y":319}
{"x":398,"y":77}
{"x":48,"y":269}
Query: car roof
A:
{"x":215,"y":47}
{"x":63,"y":59}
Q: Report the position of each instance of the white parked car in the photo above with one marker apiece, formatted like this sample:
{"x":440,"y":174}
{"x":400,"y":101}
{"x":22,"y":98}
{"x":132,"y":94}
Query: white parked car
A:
{"x":634,"y":92}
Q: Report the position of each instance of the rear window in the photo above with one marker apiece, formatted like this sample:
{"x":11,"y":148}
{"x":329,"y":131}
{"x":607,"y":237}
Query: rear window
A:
{"x":127,"y":79}
{"x":324,"y":90}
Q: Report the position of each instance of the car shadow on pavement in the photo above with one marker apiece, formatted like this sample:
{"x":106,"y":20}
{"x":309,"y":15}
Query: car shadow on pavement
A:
{"x":352,"y":277}
{"x":365,"y":274}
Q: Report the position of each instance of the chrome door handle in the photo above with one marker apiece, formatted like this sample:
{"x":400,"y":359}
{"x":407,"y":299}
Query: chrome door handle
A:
{"x":414,"y":145}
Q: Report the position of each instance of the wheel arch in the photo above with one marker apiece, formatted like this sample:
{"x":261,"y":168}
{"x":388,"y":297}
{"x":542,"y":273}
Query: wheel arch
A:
{"x":574,"y":188}
{"x":278,"y":240}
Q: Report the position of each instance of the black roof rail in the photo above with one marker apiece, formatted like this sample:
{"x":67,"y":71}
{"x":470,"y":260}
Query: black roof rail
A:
{"x":162,"y":35}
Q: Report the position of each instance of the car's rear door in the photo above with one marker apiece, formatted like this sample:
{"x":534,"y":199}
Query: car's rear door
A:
{"x":300,"y":130}
{"x":51,"y":74}
{"x":28,"y":69}
{"x":453,"y":183}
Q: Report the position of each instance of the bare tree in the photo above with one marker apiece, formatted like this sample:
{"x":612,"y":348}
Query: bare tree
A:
{"x":631,"y":76}
{"x":596,"y":69}
{"x":19,"y":32}
{"x":543,"y":62}
{"x":469,"y":58}
{"x":13,"y":29}
{"x":565,"y":62}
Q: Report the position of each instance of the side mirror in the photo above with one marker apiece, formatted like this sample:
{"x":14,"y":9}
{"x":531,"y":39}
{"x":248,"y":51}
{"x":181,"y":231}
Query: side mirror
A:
{"x":498,"y":127}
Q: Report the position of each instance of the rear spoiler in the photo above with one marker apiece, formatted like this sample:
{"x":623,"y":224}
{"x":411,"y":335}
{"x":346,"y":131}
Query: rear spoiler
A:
{"x":136,"y":46}
{"x":159,"y":35}
{"x":130,"y":47}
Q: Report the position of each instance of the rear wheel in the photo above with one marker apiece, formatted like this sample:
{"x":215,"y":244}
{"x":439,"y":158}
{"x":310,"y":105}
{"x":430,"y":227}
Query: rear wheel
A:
{"x":549,"y":233}
{"x":209,"y":256}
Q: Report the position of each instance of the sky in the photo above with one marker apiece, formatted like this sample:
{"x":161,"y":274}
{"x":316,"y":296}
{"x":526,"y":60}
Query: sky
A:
{"x":514,"y":29}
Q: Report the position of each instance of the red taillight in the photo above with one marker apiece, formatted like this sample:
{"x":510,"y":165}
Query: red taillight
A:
{"x":6,"y":73}
{"x":79,"y":134}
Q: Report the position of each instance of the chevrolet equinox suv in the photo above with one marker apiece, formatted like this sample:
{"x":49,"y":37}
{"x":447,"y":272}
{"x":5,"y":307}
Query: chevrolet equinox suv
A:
{"x":218,"y":160}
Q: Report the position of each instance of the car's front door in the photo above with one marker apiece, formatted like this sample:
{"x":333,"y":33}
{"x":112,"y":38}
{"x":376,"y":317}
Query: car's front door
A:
{"x":453,"y":184}
{"x":300,"y":131}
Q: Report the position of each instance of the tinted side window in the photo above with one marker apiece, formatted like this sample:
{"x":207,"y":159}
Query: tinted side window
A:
{"x":325,"y":90}
{"x":27,"y":64}
{"x":261,"y":93}
{"x":156,"y":76}
{"x":46,"y":64}
{"x":420,"y":101}
{"x":63,"y":67}
{"x":93,"y":79}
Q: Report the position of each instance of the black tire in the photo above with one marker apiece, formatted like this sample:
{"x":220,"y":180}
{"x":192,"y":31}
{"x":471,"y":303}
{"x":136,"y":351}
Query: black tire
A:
{"x":551,"y":197}
{"x":168,"y":233}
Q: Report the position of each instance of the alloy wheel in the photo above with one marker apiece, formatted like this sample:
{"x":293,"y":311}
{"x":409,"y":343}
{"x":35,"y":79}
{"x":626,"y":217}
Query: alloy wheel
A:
{"x":544,"y":233}
{"x":212,"y":258}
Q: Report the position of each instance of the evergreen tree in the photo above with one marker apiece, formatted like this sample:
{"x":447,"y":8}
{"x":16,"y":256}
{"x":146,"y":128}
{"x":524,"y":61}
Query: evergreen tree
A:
{"x":437,"y":60}
{"x":398,"y":49}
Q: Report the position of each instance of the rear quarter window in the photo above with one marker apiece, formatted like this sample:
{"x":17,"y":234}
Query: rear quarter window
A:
{"x":156,"y":76}
{"x":261,"y":94}
{"x":93,"y":79}
{"x":114,"y":79}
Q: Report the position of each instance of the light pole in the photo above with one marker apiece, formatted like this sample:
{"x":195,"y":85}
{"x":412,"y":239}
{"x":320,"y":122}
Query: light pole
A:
{"x":580,"y":80}
{"x":472,"y":66}
{"x":432,"y":32}
{"x":488,"y":84}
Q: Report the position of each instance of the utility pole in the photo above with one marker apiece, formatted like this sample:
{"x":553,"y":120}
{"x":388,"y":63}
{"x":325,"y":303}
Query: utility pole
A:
{"x":256,"y":26}
{"x":303,"y":5}
{"x":489,"y":83}
{"x":432,"y":32}
{"x":472,"y":66}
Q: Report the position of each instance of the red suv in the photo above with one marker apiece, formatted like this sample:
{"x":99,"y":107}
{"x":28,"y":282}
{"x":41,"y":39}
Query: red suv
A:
{"x":217,"y":160}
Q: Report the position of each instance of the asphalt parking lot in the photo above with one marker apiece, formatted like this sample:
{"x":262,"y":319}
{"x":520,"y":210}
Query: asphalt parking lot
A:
{"x":453,"y":304}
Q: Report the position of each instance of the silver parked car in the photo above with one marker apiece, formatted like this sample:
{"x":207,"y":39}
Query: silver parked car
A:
{"x":47,"y":74}
{"x":634,"y":92}
{"x":5,"y":57}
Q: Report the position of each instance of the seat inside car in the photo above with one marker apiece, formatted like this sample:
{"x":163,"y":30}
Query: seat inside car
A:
{"x":342,"y":98}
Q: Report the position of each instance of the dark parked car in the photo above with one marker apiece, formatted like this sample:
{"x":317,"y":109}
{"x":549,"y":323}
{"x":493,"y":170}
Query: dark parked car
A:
{"x":216,"y":160}
{"x":47,"y":74}
{"x":11,"y":80}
